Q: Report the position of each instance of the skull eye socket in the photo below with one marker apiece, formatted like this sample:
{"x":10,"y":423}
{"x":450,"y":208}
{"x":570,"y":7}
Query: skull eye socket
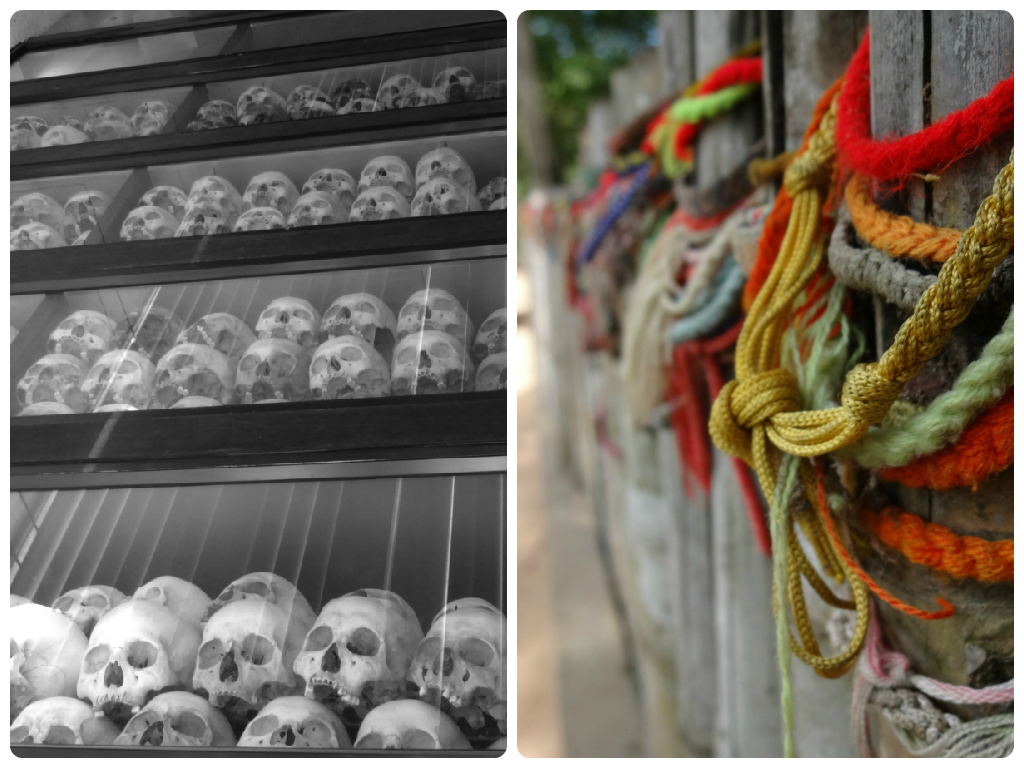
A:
{"x":303,"y":314}
{"x":363,"y":642}
{"x":476,"y":652}
{"x":443,"y":305}
{"x":263,"y":726}
{"x":153,"y":593}
{"x":442,"y":350}
{"x":257,"y":588}
{"x":257,"y":649}
{"x":211,"y":653}
{"x":96,"y":658}
{"x":20,"y":735}
{"x":351,"y":354}
{"x":181,"y":361}
{"x":64,"y":603}
{"x":319,"y":639}
{"x":59,"y":734}
{"x":96,"y":600}
{"x":414,"y":738}
{"x":318,"y":732}
{"x":249,"y":362}
{"x":190,"y":724}
{"x":141,"y":654}
{"x":369,"y":741}
{"x":407,"y":355}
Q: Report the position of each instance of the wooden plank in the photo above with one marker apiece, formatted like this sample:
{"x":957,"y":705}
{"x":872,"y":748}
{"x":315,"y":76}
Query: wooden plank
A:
{"x":676,"y":49}
{"x":774,"y":81}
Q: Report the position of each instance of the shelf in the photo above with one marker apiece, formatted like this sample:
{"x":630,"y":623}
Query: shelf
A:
{"x":43,"y":750}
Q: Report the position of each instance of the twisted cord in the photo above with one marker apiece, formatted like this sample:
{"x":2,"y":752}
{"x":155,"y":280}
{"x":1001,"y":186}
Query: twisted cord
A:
{"x":980,"y":385}
{"x":724,"y":297}
{"x":614,"y":212}
{"x":762,"y":171}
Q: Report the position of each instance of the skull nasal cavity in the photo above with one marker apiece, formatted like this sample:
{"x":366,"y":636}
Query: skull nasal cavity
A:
{"x":283,"y":317}
{"x":113,"y":677}
{"x":424,"y":359}
{"x":228,"y":668}
{"x":449,"y":662}
{"x":331,"y":661}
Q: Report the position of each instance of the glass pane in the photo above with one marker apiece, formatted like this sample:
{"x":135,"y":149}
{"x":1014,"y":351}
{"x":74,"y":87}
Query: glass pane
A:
{"x":430,"y":329}
{"x":86,"y":21}
{"x":220,"y":553}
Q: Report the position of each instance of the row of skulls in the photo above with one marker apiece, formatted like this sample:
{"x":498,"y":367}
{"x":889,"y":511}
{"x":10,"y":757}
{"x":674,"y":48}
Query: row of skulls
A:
{"x":102,"y":124}
{"x":169,"y":666}
{"x":151,"y":360}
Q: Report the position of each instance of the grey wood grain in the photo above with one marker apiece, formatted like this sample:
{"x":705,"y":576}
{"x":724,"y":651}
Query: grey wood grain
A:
{"x":676,"y":50}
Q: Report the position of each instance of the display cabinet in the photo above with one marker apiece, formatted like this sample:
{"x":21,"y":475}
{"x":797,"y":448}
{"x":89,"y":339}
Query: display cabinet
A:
{"x":258,"y":391}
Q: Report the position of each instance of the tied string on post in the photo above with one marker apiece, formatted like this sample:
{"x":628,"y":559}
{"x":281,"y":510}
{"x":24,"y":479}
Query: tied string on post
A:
{"x":639,"y":176}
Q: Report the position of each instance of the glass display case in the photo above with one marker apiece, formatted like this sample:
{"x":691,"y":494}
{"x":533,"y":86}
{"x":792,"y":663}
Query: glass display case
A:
{"x":258,"y":400}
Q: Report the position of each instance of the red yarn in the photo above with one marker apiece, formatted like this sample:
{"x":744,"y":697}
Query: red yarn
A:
{"x":729,"y":74}
{"x":984,"y":448}
{"x":932,"y":149}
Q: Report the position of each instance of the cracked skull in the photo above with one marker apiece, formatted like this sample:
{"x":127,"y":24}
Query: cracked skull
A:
{"x":422,"y":97}
{"x":46,"y":652}
{"x":358,"y":652}
{"x":264,"y":585}
{"x":316,"y":209}
{"x":496,"y":189}
{"x":108,"y":123}
{"x":177,"y":719}
{"x":138,"y":649}
{"x":295,"y":721}
{"x":388,"y":171}
{"x":151,"y":117}
{"x":358,"y":106}
{"x":261,"y":220}
{"x":183,"y":598}
{"x":120,"y":377}
{"x":35,"y":237}
{"x":434,"y":309}
{"x":463,"y":658}
{"x":445,"y":163}
{"x":149,"y":223}
{"x":493,"y":373}
{"x":171,"y":199}
{"x":270,"y":189}
{"x":206,"y":218}
{"x":347,"y":367}
{"x":273,"y":369}
{"x":440,"y":197}
{"x":290,"y":318}
{"x":222,"y":331}
{"x":260,"y":105}
{"x":57,"y":720}
{"x":193,"y":369}
{"x":409,"y":724}
{"x":379,"y":203}
{"x":430,"y":363}
{"x":334,"y":181}
{"x":307,"y":101}
{"x":492,"y":336}
{"x":63,"y":136}
{"x":151,"y":332}
{"x":82,"y":213}
{"x":37,"y":207}
{"x":362,"y":315}
{"x":27,"y":132}
{"x":55,"y":379}
{"x":219,"y":110}
{"x":217,"y":190}
{"x":84,"y":334}
{"x":87,"y":605}
{"x":394,"y":89}
{"x":455,"y":83}
{"x":350,"y":90}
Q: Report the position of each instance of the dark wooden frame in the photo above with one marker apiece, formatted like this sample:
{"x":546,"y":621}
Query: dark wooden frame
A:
{"x":69,"y":753}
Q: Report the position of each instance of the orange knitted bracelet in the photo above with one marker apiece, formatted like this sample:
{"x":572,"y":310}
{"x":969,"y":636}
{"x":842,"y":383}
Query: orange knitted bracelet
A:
{"x":938,"y":547}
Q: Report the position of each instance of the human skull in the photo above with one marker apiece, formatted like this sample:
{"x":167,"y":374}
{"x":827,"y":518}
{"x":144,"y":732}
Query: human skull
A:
{"x":489,"y":89}
{"x":138,"y":649}
{"x":431,"y":362}
{"x":54,"y":378}
{"x":122,"y":377}
{"x":114,"y":408}
{"x":151,"y":331}
{"x":498,"y":205}
{"x":422,"y":97}
{"x":206,"y":218}
{"x":496,"y":189}
{"x":362,"y":315}
{"x":148,"y":222}
{"x":454,"y":83}
{"x":347,"y":367}
{"x":107,"y":123}
{"x":46,"y":651}
{"x":260,"y":105}
{"x":271,"y":189}
{"x":290,"y":318}
{"x":63,"y":136}
{"x":87,"y":605}
{"x":333,"y":181}
{"x":193,"y":369}
{"x":492,"y":336}
{"x":57,"y":720}
{"x":350,"y":90}
{"x":445,"y":163}
{"x":45,"y":409}
{"x":177,"y":719}
{"x":17,"y":600}
{"x":35,"y":237}
{"x":183,"y":598}
{"x":409,"y":724}
{"x":358,"y":106}
{"x":307,"y":101}
{"x":196,"y":401}
{"x":316,"y":209}
{"x":394,"y":89}
{"x":295,"y":721}
{"x":84,"y":334}
{"x":37,"y":207}
{"x":442,"y":196}
{"x":82,"y":213}
{"x":434,"y":309}
{"x":501,"y":744}
{"x":493,"y":373}
{"x":246,"y":658}
{"x":358,"y":653}
{"x":379,"y":203}
{"x":171,"y":199}
{"x":261,"y":219}
{"x":151,"y":118}
{"x":219,"y":110}
{"x":211,"y":123}
{"x":264,"y":585}
{"x":71,"y":122}
{"x":273,"y":368}
{"x":27,"y":132}
{"x":463,"y":658}
{"x":222,"y":331}
{"x":388,"y":171}
{"x":217,"y":189}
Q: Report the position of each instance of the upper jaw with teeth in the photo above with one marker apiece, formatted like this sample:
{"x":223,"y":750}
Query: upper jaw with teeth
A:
{"x":343,"y":695}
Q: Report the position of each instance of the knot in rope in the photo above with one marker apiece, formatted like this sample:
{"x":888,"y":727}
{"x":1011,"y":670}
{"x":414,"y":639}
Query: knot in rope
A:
{"x":867,"y":395}
{"x":745,"y":404}
{"x":813,"y":169}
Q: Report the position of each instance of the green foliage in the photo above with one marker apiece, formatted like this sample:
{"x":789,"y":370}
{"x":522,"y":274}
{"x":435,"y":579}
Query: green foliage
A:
{"x":576,"y":54}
